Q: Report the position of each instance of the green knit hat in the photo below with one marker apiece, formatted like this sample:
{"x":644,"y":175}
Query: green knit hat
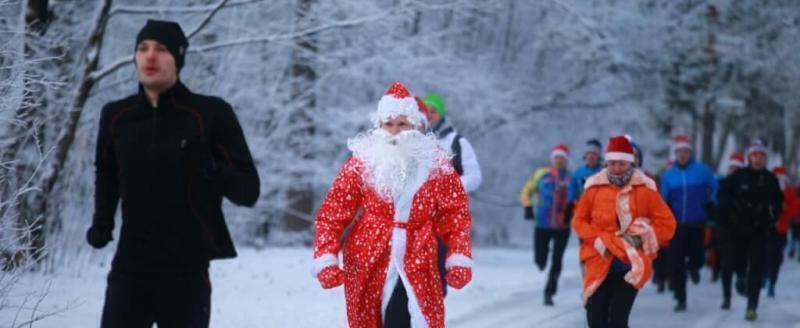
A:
{"x":433,"y":100}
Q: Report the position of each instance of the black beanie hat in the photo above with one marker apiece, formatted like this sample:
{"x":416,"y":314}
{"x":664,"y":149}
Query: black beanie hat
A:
{"x":167,"y":33}
{"x":593,"y":145}
{"x":638,"y":153}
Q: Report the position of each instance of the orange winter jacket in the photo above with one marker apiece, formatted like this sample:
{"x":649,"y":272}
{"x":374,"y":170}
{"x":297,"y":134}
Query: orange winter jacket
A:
{"x":605,"y":212}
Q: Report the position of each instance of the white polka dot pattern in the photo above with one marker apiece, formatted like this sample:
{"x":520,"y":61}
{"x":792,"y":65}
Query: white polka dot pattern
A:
{"x":439,"y":208}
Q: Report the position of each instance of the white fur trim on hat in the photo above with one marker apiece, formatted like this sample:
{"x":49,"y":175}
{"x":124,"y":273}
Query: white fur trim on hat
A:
{"x":390,"y":107}
{"x":736,"y":163}
{"x":683,"y":145}
{"x":619,"y":156}
{"x":558,"y":152}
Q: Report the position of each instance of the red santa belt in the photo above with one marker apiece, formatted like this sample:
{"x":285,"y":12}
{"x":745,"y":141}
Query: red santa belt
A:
{"x":407,"y":226}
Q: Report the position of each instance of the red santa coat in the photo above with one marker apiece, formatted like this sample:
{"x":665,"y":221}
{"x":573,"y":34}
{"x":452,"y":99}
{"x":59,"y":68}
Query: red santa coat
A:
{"x":394,"y":239}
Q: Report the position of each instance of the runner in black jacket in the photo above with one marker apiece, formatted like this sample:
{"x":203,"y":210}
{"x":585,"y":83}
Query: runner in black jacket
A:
{"x":171,"y":156}
{"x":750,"y":201}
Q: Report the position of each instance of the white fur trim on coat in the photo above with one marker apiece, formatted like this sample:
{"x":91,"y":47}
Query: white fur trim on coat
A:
{"x":600,"y":246}
{"x":396,"y":269}
{"x":322,"y":262}
{"x":458,"y":260}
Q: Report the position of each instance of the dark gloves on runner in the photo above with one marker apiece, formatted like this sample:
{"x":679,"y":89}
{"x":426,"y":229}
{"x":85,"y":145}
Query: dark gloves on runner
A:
{"x":634,"y":241}
{"x":568,"y":213}
{"x":529,"y":213}
{"x":98,"y":236}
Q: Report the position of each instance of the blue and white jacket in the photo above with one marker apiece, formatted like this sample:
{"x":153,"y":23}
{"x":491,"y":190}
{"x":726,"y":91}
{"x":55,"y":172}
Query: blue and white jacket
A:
{"x":687,"y":190}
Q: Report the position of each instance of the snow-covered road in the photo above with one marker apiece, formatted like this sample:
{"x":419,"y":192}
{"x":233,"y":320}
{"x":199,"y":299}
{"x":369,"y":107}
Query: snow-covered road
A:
{"x":273,"y":288}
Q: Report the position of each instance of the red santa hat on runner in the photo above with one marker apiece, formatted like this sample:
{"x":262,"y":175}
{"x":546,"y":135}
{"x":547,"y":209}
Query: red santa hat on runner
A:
{"x":619,"y":149}
{"x":682,"y":141}
{"x":736,"y":159}
{"x":783,"y":177}
{"x":756,"y":148}
{"x":398,"y":102}
{"x":560,"y":150}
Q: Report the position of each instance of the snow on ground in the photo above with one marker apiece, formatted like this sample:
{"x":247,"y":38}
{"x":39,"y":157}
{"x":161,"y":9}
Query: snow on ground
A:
{"x":274,"y":288}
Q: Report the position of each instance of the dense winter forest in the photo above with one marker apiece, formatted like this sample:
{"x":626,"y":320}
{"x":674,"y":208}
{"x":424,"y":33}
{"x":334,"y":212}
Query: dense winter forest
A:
{"x":302,"y":75}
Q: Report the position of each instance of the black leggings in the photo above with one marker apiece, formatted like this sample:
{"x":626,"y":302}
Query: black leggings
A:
{"x":610,"y":306}
{"x":397,"y":315}
{"x":687,"y":243}
{"x":746,"y":254}
{"x":135,"y":300}
{"x":775,"y":246}
{"x":542,"y":239}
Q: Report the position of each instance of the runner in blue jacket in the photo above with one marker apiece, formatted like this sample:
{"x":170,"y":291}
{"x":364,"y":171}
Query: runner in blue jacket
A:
{"x":690,"y":190}
{"x":593,"y":163}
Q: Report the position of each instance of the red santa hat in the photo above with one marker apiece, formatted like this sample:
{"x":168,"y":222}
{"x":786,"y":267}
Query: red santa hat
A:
{"x":783,"y":177}
{"x":619,"y":149}
{"x":559,"y":150}
{"x":736,"y":159}
{"x":756,"y":147}
{"x":398,"y":102}
{"x":779,"y":170}
{"x":682,"y":141}
{"x":426,"y":112}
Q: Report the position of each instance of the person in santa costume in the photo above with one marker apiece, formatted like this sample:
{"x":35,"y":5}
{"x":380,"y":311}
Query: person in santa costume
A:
{"x":408,"y":194}
{"x":621,"y":221}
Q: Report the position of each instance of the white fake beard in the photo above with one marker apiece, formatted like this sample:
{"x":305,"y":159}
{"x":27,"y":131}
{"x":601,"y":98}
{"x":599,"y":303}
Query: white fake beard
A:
{"x":391,"y":162}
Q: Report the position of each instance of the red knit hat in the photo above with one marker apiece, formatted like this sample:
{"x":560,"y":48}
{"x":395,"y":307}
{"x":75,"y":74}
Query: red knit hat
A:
{"x":559,"y":150}
{"x":619,"y":149}
{"x":736,"y":159}
{"x":682,"y":141}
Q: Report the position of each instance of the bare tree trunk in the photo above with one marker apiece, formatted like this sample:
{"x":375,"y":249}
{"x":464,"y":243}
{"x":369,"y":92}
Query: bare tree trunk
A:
{"x":708,"y":124}
{"x":301,"y":200}
{"x":36,"y":18}
{"x":507,"y":53}
{"x":721,"y":142}
{"x":790,"y":123}
{"x":67,"y":136}
{"x":416,"y":22}
{"x":38,"y":15}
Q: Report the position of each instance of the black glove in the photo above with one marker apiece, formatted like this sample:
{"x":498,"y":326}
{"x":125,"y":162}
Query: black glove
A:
{"x":529,"y":213}
{"x":634,"y":241}
{"x":711,"y":212}
{"x":98,"y":236}
{"x":201,"y":157}
{"x":568,"y":213}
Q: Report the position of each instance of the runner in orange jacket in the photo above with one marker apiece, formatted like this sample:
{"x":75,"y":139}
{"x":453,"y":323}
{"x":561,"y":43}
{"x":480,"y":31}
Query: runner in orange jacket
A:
{"x":622,"y":221}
